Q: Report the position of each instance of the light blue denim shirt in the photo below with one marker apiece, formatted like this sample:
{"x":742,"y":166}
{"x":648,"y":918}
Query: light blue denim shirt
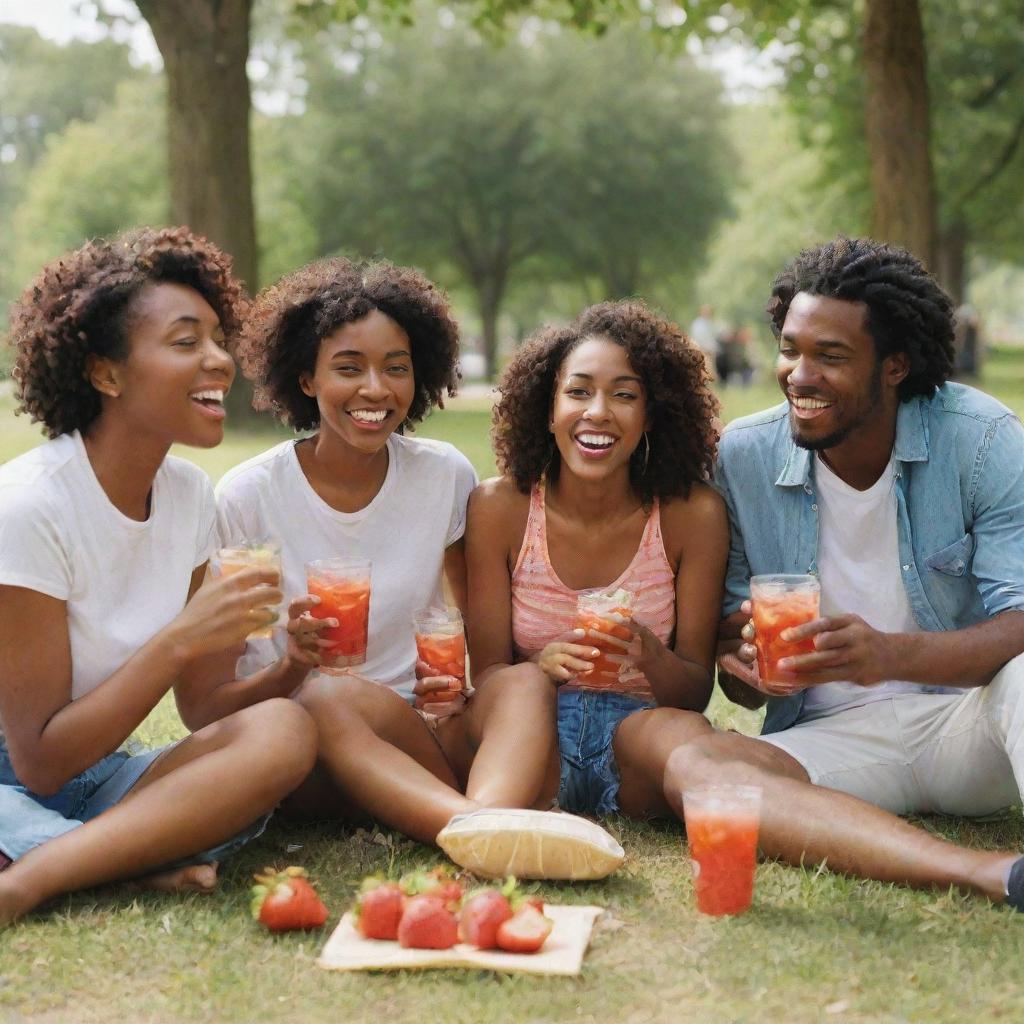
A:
{"x":959,"y":497}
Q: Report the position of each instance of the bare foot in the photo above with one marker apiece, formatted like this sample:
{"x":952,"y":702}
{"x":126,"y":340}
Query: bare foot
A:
{"x":192,"y":878}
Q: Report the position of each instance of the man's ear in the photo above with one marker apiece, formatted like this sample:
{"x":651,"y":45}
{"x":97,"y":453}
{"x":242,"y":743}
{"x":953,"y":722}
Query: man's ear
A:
{"x":104,"y":375}
{"x":895,"y":368}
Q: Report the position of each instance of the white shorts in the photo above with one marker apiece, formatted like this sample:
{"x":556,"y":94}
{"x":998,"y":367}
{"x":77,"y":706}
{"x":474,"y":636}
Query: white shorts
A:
{"x":959,"y":753}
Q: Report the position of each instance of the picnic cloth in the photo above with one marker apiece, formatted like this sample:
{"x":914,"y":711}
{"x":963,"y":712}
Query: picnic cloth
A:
{"x":561,"y":954}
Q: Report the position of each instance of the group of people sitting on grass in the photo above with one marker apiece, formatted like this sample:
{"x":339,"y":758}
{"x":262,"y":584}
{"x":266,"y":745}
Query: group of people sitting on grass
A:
{"x":902,"y":492}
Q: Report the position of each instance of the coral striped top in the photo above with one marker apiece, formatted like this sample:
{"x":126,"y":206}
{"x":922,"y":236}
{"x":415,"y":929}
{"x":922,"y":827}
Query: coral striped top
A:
{"x":543,"y":607}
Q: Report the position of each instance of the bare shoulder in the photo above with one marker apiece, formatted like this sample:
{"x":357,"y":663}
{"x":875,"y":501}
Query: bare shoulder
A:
{"x":497,"y":503}
{"x":697,"y":519}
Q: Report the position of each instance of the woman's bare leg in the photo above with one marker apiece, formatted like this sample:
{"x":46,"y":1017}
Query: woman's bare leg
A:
{"x":205,"y":790}
{"x":508,"y":740}
{"x":642,"y":745}
{"x":379,"y":754}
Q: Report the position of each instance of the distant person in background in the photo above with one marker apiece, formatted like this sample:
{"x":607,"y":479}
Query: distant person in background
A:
{"x":966,"y":339}
{"x":704,"y":336}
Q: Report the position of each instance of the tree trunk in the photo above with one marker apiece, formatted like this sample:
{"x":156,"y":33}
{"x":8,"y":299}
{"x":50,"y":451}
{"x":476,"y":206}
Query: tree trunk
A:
{"x":490,"y":305}
{"x":951,"y":264}
{"x":205,"y":46}
{"x":897,"y":127}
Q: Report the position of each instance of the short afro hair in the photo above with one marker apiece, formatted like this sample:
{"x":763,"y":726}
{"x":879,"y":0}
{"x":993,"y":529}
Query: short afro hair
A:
{"x":907,"y":311}
{"x":281,"y":339}
{"x":681,"y":407}
{"x":80,"y":305}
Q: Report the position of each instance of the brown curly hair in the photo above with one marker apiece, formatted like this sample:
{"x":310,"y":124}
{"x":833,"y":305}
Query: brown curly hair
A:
{"x":281,"y":338}
{"x":681,"y":406}
{"x":81,"y":305}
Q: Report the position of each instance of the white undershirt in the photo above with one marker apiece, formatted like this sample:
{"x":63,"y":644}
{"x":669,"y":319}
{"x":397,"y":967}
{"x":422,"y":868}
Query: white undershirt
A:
{"x":859,"y":566}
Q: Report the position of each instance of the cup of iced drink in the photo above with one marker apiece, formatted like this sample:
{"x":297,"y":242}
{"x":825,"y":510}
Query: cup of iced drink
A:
{"x":257,"y":554}
{"x":343,"y":586}
{"x":721,"y":828}
{"x":441,"y":641}
{"x":605,"y":612}
{"x":781,"y":601}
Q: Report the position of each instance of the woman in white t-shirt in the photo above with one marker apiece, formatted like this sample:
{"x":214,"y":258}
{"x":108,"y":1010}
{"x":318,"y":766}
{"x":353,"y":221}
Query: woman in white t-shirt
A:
{"x":358,"y":354}
{"x":104,"y":540}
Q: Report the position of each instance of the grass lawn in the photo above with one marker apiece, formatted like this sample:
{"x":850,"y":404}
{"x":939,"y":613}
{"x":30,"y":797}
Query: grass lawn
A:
{"x":814,"y":947}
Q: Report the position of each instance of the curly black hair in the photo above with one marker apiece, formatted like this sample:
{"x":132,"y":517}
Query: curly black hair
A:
{"x":281,"y":338}
{"x":681,"y":406}
{"x":907,"y":311}
{"x":81,"y":305}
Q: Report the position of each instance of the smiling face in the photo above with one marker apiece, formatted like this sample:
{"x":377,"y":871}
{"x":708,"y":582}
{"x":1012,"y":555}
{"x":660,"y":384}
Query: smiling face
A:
{"x":599,"y":412}
{"x":839,"y":391}
{"x":362,"y":382}
{"x":172,"y":383}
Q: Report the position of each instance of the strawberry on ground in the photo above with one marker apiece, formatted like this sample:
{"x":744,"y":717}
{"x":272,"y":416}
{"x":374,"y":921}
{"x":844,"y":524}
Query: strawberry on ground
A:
{"x":482,"y":913}
{"x":427,"y":924}
{"x":285,"y":900}
{"x":379,"y":909}
{"x":525,"y":931}
{"x":438,"y":882}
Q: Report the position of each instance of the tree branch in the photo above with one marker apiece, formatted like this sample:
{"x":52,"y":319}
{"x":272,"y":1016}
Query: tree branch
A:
{"x":1001,"y":162}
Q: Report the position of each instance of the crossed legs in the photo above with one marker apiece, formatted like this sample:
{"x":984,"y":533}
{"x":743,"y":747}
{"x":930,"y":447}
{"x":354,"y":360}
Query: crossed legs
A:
{"x":376,"y":753}
{"x":200,"y":793}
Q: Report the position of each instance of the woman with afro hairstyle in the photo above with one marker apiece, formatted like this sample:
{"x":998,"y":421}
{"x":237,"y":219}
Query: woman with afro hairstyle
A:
{"x":359,"y":354}
{"x":605,"y":435}
{"x":104,"y":539}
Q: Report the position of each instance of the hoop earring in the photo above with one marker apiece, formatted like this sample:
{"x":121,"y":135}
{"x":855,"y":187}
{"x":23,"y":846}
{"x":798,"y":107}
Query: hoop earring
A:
{"x":647,"y":454}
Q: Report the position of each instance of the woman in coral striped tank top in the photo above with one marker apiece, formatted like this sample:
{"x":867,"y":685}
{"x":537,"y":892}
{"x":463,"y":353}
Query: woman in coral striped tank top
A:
{"x":605,"y":434}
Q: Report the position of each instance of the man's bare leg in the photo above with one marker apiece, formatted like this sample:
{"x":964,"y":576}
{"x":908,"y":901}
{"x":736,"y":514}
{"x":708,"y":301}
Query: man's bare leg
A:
{"x":205,"y":790}
{"x":802,"y":823}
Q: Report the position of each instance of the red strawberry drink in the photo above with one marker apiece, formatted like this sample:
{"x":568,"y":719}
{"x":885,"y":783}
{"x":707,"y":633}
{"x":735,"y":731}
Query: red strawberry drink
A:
{"x":721,"y":828}
{"x":263,"y":554}
{"x":441,"y":641}
{"x":608,"y":613}
{"x":343,"y":586}
{"x":780,"y":602}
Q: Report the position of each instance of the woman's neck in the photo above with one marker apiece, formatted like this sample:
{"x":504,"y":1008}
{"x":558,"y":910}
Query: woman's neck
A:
{"x":344,"y":477}
{"x":125,"y":463}
{"x":593,"y":501}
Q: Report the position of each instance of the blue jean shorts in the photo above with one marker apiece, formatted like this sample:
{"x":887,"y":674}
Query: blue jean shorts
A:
{"x":586,"y":727}
{"x":27,"y":819}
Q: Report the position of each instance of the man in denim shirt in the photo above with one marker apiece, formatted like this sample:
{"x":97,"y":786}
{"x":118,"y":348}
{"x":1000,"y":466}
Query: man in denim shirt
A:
{"x":904,"y":494}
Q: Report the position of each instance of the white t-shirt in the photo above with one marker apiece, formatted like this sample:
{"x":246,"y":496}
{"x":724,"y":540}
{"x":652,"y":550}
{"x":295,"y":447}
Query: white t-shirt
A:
{"x":418,"y":512}
{"x":859,"y":566}
{"x":123,"y":580}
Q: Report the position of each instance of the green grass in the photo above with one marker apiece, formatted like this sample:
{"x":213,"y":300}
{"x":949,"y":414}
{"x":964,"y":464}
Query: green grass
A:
{"x":814,"y":947}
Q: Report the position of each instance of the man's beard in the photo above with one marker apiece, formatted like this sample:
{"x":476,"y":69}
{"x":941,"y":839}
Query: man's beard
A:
{"x":837,"y":437}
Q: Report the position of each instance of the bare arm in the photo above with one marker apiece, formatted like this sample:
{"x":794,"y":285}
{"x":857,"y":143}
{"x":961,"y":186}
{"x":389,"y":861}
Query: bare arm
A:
{"x":682,"y":676}
{"x":51,"y":738}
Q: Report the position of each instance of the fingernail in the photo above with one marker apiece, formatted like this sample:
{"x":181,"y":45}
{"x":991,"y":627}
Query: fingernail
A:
{"x":595,"y":653}
{"x":332,"y":622}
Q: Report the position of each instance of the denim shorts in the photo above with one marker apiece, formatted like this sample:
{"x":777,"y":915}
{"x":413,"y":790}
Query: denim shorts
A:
{"x":587,"y":722}
{"x":28,"y":819}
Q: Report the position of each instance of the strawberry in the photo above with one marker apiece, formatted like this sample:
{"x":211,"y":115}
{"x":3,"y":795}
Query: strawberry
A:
{"x":285,"y":900}
{"x":525,"y":931}
{"x":427,"y":924}
{"x":379,"y":909}
{"x":437,"y":882}
{"x":482,"y":913}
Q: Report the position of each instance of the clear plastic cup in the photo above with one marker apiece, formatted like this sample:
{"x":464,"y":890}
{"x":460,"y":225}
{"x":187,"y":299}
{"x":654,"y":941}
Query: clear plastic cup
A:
{"x":441,"y":640}
{"x":607,"y":612}
{"x":259,"y":554}
{"x":722,"y":823}
{"x":781,"y":601}
{"x":343,"y":586}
